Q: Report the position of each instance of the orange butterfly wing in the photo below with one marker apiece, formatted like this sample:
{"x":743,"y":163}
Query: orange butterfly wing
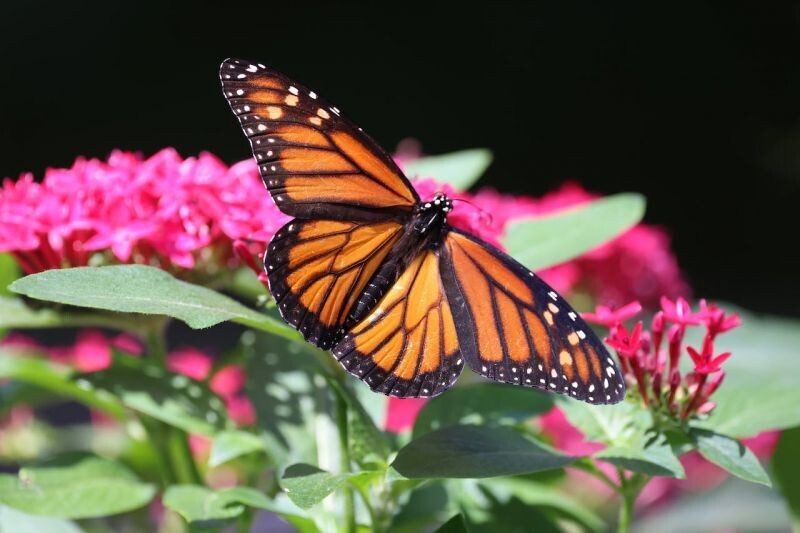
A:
{"x":407,"y":345}
{"x":512,"y":327}
{"x":315,"y":162}
{"x":318,"y":269}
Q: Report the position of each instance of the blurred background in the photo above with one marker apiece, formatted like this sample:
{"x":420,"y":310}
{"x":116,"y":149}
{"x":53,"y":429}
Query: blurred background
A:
{"x":695,"y":105}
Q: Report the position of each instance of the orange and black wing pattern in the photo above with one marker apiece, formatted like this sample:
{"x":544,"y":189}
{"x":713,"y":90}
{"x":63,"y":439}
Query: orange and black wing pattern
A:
{"x":319,"y":269}
{"x":513,"y":328}
{"x":407,"y":346}
{"x":314,"y":162}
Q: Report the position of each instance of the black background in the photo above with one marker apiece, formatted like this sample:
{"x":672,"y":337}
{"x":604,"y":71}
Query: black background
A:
{"x":694,"y":104}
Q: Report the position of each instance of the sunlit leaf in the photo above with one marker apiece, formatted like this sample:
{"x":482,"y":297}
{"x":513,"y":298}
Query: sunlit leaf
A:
{"x":201,"y":505}
{"x":730,"y":454}
{"x":308,"y":485}
{"x":554,"y":238}
{"x":75,"y":486}
{"x":229,"y":445}
{"x":459,"y":169}
{"x":15,"y":521}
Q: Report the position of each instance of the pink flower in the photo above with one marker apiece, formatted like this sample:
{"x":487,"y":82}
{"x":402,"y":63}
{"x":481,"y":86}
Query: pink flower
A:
{"x":716,"y":320}
{"x":606,"y":316}
{"x":706,"y":363}
{"x":162,"y":210}
{"x":190,"y":362}
{"x":228,"y":380}
{"x":401,"y":413}
{"x":92,"y":351}
{"x":679,"y":312}
{"x":241,"y":409}
{"x":626,"y":343}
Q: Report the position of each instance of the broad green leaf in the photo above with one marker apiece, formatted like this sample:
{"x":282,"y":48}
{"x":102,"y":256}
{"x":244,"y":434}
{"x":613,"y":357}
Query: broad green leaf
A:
{"x":549,"y":240}
{"x":457,"y":524}
{"x":15,"y":314}
{"x":307,"y":485}
{"x":624,"y":428}
{"x":785,"y":470}
{"x":9,"y":271}
{"x":201,"y":505}
{"x":761,"y":390}
{"x":458,"y":169}
{"x":136,"y":289}
{"x":545,"y":496}
{"x":75,"y":486}
{"x":56,"y":379}
{"x":730,"y":454}
{"x":14,"y":521}
{"x":234,"y":443}
{"x":481,"y":403}
{"x":171,"y":398}
{"x":475,"y":452}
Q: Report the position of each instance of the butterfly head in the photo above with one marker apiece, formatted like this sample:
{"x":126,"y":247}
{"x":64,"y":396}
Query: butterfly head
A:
{"x":440,"y":202}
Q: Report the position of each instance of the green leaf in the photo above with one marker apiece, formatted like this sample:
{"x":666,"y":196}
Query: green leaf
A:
{"x":761,"y":390}
{"x":57,"y":380}
{"x":9,"y":271}
{"x":729,"y":454}
{"x":367,"y":443}
{"x":15,"y":314}
{"x":307,"y":485}
{"x":475,"y":452}
{"x":75,"y":486}
{"x":458,"y":169}
{"x":785,"y":468}
{"x":234,"y":443}
{"x":456,"y":524}
{"x":15,"y":521}
{"x":136,"y":289}
{"x":545,"y":496}
{"x":481,"y":403}
{"x":625,"y":429}
{"x":552,"y":239}
{"x":171,"y":398}
{"x":200,"y":505}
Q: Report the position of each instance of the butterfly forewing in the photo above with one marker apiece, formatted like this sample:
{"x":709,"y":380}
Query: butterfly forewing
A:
{"x":315,"y":162}
{"x":512,"y":327}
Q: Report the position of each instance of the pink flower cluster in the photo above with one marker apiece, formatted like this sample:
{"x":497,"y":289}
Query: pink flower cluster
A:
{"x":637,"y":265}
{"x":92,"y":352}
{"x":651,"y":359}
{"x":163,"y":210}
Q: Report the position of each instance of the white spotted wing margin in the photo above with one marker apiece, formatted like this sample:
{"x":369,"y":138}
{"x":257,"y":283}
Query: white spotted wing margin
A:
{"x":514,"y":328}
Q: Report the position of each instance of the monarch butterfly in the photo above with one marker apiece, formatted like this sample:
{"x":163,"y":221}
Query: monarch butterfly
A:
{"x":370,"y":271}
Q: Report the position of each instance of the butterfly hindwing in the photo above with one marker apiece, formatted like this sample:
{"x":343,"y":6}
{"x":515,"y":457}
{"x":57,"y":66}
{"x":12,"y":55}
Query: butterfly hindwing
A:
{"x":513,"y":328}
{"x":318,"y":270}
{"x":315,"y":162}
{"x":407,"y":345}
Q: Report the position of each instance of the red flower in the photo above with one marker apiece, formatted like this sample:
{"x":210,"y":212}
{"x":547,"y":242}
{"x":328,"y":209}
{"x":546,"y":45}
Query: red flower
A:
{"x":626,"y":343}
{"x":679,"y":312}
{"x":706,"y":363}
{"x":190,"y":362}
{"x":402,"y":412}
{"x":606,"y":316}
{"x":716,"y":320}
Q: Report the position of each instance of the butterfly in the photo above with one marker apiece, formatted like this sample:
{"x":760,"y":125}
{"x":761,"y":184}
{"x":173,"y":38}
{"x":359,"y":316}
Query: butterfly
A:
{"x":373,"y":273}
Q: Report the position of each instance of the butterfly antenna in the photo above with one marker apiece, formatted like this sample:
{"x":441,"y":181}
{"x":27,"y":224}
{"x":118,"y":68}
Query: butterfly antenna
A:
{"x":486,"y":216}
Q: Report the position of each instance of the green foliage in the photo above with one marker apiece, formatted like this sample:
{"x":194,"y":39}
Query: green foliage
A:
{"x":13,"y":520}
{"x":75,"y":486}
{"x":135,"y":289}
{"x":475,"y":452}
{"x":205,"y":507}
{"x":481,"y":403}
{"x":729,"y":454}
{"x":459,"y":169}
{"x":786,"y":471}
{"x":308,"y":485}
{"x":9,"y":271}
{"x":541,"y":242}
{"x":171,"y":398}
{"x":229,"y":445}
{"x":626,"y":429}
{"x":762,"y":385}
{"x":15,"y":314}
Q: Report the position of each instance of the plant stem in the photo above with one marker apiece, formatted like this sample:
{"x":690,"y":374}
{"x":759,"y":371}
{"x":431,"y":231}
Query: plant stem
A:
{"x":157,"y":344}
{"x":344,"y":448}
{"x":180,"y":456}
{"x":629,"y":489}
{"x":365,"y":497}
{"x":590,"y":467}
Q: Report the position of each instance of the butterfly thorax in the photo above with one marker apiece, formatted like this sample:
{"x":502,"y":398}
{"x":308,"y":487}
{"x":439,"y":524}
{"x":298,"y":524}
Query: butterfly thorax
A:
{"x":430,"y":216}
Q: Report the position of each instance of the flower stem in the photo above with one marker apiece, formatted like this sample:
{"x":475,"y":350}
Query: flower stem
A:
{"x":181,"y":457}
{"x":629,"y":489}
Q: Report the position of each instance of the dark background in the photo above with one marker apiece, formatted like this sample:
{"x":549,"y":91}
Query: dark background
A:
{"x":694,"y":104}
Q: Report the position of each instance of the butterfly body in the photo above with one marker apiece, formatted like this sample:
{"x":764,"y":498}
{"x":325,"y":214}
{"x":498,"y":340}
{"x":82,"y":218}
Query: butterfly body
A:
{"x":374,"y":273}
